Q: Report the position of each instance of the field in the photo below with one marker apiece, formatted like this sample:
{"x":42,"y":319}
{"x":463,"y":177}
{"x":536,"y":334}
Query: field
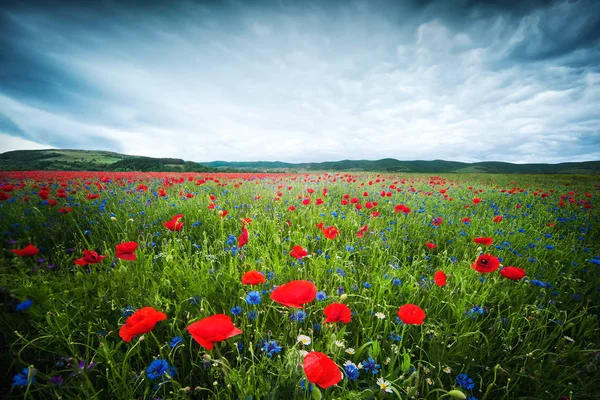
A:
{"x":117,"y":296}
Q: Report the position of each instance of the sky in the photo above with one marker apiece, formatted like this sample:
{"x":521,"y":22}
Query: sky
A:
{"x":302,"y":81}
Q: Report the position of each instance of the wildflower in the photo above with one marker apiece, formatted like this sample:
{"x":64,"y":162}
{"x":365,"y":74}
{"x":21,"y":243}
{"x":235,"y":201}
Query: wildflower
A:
{"x":295,"y":293}
{"x":89,"y":257}
{"x":465,"y":382}
{"x":24,"y":305}
{"x":337,"y":312}
{"x":475,"y":311}
{"x":321,"y":296}
{"x":321,"y":370}
{"x":125,"y":251}
{"x":270,"y":347}
{"x":25,"y":377}
{"x":486,"y":263}
{"x":140,"y":322}
{"x":213,"y":329}
{"x":253,"y":278}
{"x":380,"y":315}
{"x":157,"y":368}
{"x":298,"y":252}
{"x":384,"y":385}
{"x":340,"y":344}
{"x":411,"y":314}
{"x":440,"y":278}
{"x":430,"y":245}
{"x":351,"y":370}
{"x":253,"y":298}
{"x":349,"y":350}
{"x":305,"y":340}
{"x":176,"y":341}
{"x":28,"y":251}
{"x":513,"y":273}
{"x":298,"y":316}
{"x":447,"y":369}
{"x":252,"y":315}
{"x":243,"y":238}
{"x":236,"y":310}
{"x":175,"y":223}
{"x":370,"y":365}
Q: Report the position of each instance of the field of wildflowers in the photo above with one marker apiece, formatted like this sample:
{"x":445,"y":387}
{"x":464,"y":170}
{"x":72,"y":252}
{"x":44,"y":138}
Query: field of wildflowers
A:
{"x":188,"y":286}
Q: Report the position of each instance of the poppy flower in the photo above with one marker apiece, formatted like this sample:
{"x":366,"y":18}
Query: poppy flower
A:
{"x":213,"y":329}
{"x":337,"y":312}
{"x":430,"y":245}
{"x":89,"y":257}
{"x":321,"y":370}
{"x":28,"y":251}
{"x":411,"y":314}
{"x":497,"y":219}
{"x":486,"y":263}
{"x":440,"y":278}
{"x":295,"y":293}
{"x":331,"y":232}
{"x":140,"y":322}
{"x":64,"y":210}
{"x":437,"y":221}
{"x":291,"y":208}
{"x":246,"y":221}
{"x":243,"y":238}
{"x":298,"y":252}
{"x":125,"y":251}
{"x":513,"y":273}
{"x":466,"y":220}
{"x":222,"y":213}
{"x":486,"y":241}
{"x":175,"y":223}
{"x":253,"y":278}
{"x":476,"y":200}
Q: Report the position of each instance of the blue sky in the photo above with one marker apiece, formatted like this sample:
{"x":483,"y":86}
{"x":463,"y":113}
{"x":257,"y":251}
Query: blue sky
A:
{"x":298,"y":81}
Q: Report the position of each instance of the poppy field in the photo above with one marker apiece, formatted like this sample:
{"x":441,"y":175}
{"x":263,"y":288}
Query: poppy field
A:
{"x":124,"y":285}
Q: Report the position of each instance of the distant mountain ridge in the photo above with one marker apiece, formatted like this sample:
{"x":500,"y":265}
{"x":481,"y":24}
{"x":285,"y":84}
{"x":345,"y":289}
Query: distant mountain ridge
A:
{"x":92,"y":160}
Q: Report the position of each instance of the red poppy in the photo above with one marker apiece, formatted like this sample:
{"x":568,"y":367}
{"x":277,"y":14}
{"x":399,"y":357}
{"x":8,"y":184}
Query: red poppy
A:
{"x":331,"y":232}
{"x":306,"y":201}
{"x":213,"y":329}
{"x":4,"y":196}
{"x":243,"y":238}
{"x":298,"y":252}
{"x":246,"y":221}
{"x":440,"y":278}
{"x":430,"y":245}
{"x":295,"y":293}
{"x":253,"y":278}
{"x":64,"y":210}
{"x":476,"y":200}
{"x":411,"y":314}
{"x":337,"y":312}
{"x":321,"y":370}
{"x":437,"y":221}
{"x":513,"y":273}
{"x":291,"y":208}
{"x":28,"y":251}
{"x":140,"y":322}
{"x":486,"y":241}
{"x":465,"y":220}
{"x":497,"y":218}
{"x":175,"y":223}
{"x":89,"y":257}
{"x":486,"y":263}
{"x":125,"y":251}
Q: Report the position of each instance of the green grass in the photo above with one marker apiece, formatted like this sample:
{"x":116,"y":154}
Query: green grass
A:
{"x":531,"y":342}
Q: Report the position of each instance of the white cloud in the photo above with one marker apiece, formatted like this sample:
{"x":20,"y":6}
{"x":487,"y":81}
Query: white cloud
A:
{"x":312,"y":87}
{"x":10,"y":143}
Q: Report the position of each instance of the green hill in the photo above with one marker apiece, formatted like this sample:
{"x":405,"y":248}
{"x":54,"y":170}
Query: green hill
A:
{"x":92,"y":160}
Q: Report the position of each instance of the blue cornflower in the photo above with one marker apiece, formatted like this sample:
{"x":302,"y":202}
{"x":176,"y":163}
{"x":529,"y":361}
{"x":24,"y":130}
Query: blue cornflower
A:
{"x":231,"y":240}
{"x":317,"y":327}
{"x":237,"y":310}
{"x":465,"y":382}
{"x":370,"y":365}
{"x":396,"y":281}
{"x":25,"y":377}
{"x":253,"y":297}
{"x":367,"y":285}
{"x":395,"y":337}
{"x":157,"y":368}
{"x":304,"y":386}
{"x":340,"y":290}
{"x":475,"y":311}
{"x":176,"y":341}
{"x":24,"y":305}
{"x":298,"y":316}
{"x":252,"y":315}
{"x":195,"y":300}
{"x":321,"y":296}
{"x":351,"y":370}
{"x":270,"y":347}
{"x":127,"y":311}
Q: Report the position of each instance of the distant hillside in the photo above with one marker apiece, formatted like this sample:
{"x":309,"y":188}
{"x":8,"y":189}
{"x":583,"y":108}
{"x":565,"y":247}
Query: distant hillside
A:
{"x":419,"y":166}
{"x":91,"y":160}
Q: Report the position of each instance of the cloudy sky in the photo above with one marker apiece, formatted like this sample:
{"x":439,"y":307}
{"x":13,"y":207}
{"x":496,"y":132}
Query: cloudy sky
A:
{"x":464,"y":80}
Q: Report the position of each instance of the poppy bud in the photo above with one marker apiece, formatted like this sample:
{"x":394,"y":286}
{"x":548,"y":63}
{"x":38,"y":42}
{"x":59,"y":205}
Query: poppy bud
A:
{"x":343,"y":297}
{"x":113,"y":219}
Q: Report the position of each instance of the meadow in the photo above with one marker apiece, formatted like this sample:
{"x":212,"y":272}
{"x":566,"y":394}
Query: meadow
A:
{"x":267,"y":286}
